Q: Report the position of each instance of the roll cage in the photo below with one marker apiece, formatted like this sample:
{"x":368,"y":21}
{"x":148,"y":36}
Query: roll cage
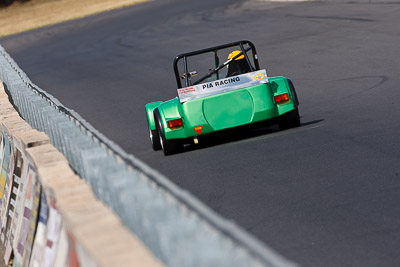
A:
{"x":244,"y":46}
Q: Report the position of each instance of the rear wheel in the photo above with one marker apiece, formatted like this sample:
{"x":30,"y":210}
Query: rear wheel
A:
{"x":290,"y":119}
{"x":169,"y":147}
{"x":294,"y":94}
{"x":155,"y":140}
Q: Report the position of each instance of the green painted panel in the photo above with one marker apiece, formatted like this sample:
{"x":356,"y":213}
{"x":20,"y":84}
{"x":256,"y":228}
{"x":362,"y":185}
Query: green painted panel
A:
{"x":229,"y":110}
{"x":149,"y":111}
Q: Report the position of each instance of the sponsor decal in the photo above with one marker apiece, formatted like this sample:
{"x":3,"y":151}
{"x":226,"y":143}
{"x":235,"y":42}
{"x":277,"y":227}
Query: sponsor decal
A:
{"x":259,"y":77}
{"x":220,"y":82}
{"x":186,"y":90}
{"x":198,"y":129}
{"x":222,"y":85}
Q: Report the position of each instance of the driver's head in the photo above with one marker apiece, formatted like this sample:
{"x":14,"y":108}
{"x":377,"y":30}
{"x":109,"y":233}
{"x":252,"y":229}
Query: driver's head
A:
{"x":237,"y":66}
{"x":234,"y":54}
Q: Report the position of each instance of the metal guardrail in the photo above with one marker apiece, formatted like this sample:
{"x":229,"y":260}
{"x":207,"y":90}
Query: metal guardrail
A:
{"x":178,"y":229}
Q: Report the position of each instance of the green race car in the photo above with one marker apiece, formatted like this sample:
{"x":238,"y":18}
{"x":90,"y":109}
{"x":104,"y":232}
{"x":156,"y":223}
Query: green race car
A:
{"x":214,"y":96}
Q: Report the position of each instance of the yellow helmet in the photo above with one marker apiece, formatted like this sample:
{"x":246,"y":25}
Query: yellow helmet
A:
{"x":234,"y":54}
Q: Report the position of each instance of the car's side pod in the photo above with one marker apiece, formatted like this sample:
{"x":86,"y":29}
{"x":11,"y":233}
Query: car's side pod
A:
{"x":150,"y":114}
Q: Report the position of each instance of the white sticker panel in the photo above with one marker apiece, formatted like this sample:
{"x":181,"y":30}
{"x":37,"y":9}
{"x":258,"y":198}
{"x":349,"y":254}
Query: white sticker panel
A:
{"x":222,"y":85}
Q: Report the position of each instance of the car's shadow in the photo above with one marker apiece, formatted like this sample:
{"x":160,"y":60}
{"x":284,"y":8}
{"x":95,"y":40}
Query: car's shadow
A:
{"x":239,"y":134}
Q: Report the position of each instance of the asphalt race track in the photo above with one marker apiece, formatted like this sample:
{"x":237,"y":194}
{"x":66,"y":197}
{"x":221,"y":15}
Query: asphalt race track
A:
{"x":324,"y":194}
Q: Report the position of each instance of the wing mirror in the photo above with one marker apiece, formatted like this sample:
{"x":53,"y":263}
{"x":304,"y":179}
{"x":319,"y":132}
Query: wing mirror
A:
{"x":191,"y":74}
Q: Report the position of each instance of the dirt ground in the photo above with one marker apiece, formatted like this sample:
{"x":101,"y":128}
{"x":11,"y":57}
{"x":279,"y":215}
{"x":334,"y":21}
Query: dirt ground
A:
{"x":26,"y":15}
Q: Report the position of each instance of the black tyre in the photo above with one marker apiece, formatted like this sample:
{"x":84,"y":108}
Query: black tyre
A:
{"x":169,"y":147}
{"x":290,"y":119}
{"x":155,"y":140}
{"x":294,"y":94}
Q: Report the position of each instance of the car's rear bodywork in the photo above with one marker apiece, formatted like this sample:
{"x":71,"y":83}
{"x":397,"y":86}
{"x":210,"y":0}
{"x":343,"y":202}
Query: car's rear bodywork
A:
{"x":214,"y":103}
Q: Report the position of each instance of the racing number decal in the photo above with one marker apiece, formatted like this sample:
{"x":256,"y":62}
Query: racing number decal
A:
{"x":198,"y":129}
{"x":259,"y":77}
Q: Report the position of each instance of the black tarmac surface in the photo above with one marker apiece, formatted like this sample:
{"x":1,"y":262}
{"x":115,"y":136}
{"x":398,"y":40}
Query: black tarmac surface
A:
{"x":324,"y":194}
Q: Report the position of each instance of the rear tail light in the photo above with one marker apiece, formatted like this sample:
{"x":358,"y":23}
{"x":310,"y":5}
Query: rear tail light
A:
{"x":282,"y":98}
{"x":175,"y":124}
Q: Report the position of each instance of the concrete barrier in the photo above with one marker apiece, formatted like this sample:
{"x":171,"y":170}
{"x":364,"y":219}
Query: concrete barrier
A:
{"x":49,"y":216}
